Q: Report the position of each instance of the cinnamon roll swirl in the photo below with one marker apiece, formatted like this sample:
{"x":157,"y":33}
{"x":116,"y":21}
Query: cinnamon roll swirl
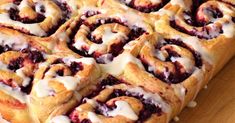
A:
{"x":109,"y":60}
{"x":40,"y":18}
{"x":60,"y":78}
{"x":102,"y":34}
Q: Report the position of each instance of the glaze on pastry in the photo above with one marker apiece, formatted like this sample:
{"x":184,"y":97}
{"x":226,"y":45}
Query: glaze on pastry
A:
{"x":98,"y":61}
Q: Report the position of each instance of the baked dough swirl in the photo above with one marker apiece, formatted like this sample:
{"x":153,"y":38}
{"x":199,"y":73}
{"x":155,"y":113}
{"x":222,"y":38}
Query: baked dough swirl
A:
{"x":19,"y":58}
{"x":60,"y":78}
{"x":102,"y":34}
{"x":108,"y":102}
{"x":109,"y":60}
{"x":35,"y":17}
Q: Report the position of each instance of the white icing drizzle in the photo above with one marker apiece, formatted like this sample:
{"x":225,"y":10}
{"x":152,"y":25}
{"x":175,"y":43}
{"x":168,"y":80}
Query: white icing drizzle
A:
{"x":26,"y":80}
{"x":107,"y":58}
{"x":155,"y":1}
{"x":49,"y":11}
{"x":93,"y":117}
{"x":198,"y":74}
{"x":3,"y":66}
{"x":151,"y":68}
{"x":86,"y":9}
{"x":70,"y":83}
{"x":205,"y":87}
{"x":118,"y":64}
{"x":42,"y":89}
{"x":165,"y":12}
{"x":123,"y":109}
{"x":130,"y":45}
{"x":15,"y":42}
{"x":192,"y":104}
{"x":185,"y":62}
{"x":195,"y":44}
{"x":132,"y":19}
{"x":160,"y":55}
{"x":23,"y":4}
{"x":228,"y":30}
{"x":3,"y":120}
{"x":79,"y":43}
{"x":109,"y":35}
{"x":179,"y":90}
{"x":60,"y":119}
{"x":107,"y":38}
{"x":62,"y":36}
{"x":91,"y":102}
{"x":156,"y":99}
{"x":127,"y":1}
{"x":14,"y":92}
{"x":176,"y":119}
{"x":32,"y":28}
{"x":87,"y":61}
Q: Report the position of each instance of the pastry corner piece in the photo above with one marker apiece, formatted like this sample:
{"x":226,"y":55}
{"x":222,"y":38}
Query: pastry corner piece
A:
{"x":101,"y":61}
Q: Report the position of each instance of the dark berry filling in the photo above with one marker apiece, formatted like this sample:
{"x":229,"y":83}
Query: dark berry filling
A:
{"x":197,"y":56}
{"x":8,"y":82}
{"x":135,"y":31}
{"x":60,"y":72}
{"x":177,"y":76}
{"x":115,"y":48}
{"x":148,"y":107}
{"x":14,"y":15}
{"x":16,"y":64}
{"x":4,"y":48}
{"x":91,"y":13}
{"x":28,"y":88}
{"x":233,"y":19}
{"x":84,"y":121}
{"x":33,"y":55}
{"x":36,"y":56}
{"x":66,"y":13}
{"x":173,"y":78}
{"x":17,"y":2}
{"x":193,"y":18}
{"x":205,"y":33}
{"x":110,"y":80}
{"x":58,"y":61}
{"x":75,"y":67}
{"x":12,"y":84}
{"x":146,"y":8}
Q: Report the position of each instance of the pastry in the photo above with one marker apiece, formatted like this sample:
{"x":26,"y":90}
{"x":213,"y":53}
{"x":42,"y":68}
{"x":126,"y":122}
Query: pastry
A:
{"x":97,"y":61}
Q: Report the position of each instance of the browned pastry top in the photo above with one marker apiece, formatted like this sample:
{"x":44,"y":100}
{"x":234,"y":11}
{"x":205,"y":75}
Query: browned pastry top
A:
{"x":98,"y":61}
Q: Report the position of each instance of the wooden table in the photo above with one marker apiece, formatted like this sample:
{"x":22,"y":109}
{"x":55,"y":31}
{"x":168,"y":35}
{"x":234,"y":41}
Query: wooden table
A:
{"x":216,"y":104}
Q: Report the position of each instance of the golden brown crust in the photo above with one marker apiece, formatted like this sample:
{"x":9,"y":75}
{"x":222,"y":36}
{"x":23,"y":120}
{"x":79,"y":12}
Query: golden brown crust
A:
{"x":85,"y":60}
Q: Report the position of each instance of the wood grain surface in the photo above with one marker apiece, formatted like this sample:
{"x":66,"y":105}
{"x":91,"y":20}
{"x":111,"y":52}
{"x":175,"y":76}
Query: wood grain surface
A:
{"x":216,"y":104}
